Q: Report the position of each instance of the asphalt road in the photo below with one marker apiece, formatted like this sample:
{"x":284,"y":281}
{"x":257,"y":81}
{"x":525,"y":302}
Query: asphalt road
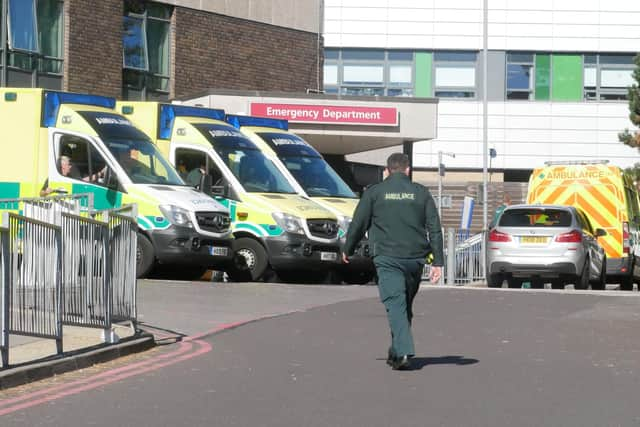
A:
{"x":485,"y":357}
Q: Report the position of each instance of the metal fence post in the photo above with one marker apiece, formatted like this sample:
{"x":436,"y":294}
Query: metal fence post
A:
{"x":6,"y":277}
{"x":451,"y":256}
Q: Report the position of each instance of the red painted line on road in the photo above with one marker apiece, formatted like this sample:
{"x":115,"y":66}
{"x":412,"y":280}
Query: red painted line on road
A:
{"x":206,"y":347}
{"x":117,"y":374}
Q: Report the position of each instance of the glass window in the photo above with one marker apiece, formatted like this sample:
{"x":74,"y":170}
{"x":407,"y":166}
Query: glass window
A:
{"x":607,"y":76}
{"x":362,"y":91}
{"x":455,"y":74}
{"x":134,"y":43}
{"x":400,"y":74}
{"x":520,"y":76}
{"x":331,"y":54}
{"x":363,"y":74}
{"x":399,"y":55}
{"x":191,"y":164}
{"x":23,"y":31}
{"x":363,"y":54}
{"x":146,"y":51}
{"x":330,"y":74}
{"x":535,"y":218}
{"x":50,"y":35}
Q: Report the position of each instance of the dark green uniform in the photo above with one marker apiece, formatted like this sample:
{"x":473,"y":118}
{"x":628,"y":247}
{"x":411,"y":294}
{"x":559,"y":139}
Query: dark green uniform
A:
{"x":399,"y":215}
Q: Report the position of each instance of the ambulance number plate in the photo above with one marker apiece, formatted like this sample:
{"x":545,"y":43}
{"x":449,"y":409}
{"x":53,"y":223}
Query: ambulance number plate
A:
{"x":328,"y":256}
{"x":218,"y":250}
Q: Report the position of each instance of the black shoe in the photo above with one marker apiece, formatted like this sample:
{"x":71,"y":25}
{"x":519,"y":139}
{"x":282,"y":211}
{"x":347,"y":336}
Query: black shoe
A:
{"x":401,"y":363}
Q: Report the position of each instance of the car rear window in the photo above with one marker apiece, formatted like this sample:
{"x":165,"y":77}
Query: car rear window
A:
{"x":535,"y":218}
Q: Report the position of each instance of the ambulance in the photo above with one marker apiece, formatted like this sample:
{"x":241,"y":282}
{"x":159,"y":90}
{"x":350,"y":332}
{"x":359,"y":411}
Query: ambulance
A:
{"x":276,"y":229}
{"x":610,"y":200}
{"x":318,"y":179}
{"x":118,"y":164}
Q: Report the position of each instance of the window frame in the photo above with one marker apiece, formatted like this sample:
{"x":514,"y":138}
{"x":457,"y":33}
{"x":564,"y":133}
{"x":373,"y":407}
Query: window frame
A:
{"x":600,"y":93}
{"x":531,"y":91}
{"x":459,"y":64}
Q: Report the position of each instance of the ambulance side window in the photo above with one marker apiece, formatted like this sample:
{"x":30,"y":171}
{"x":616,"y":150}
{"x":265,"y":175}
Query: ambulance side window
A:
{"x":189,"y":163}
{"x":632,"y":203}
{"x":87,"y":164}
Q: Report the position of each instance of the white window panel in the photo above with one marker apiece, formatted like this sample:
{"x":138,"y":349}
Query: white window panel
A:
{"x":330,"y":74}
{"x":455,"y":76}
{"x":590,"y":76}
{"x":400,"y":73}
{"x":616,"y":78}
{"x":363,"y":74}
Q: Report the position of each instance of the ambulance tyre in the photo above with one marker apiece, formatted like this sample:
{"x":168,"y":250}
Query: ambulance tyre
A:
{"x":495,"y":280}
{"x":626,"y":282}
{"x":357,"y":277}
{"x":144,"y":256}
{"x":251,"y":262}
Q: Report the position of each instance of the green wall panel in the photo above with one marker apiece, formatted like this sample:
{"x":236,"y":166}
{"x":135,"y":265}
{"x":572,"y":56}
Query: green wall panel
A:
{"x":424,"y":67}
{"x":543,"y":82}
{"x":566,"y":82}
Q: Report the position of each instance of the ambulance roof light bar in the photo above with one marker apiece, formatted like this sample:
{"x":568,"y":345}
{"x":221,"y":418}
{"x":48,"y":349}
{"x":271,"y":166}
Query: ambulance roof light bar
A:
{"x":168,"y":113}
{"x":53,"y":100}
{"x":238,"y":121}
{"x":576,"y":162}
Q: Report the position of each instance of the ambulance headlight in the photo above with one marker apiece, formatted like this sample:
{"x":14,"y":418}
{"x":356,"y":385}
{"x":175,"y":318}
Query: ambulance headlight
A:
{"x":289,"y":223}
{"x":344,"y":222}
{"x":176,"y":215}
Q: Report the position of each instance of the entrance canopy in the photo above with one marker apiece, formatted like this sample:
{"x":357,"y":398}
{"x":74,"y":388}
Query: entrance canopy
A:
{"x":334,"y":124}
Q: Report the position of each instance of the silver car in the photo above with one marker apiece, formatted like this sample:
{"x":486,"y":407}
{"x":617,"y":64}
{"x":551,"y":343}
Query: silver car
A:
{"x":545,"y":243}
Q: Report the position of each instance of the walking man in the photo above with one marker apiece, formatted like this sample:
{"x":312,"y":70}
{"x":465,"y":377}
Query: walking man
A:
{"x":401,"y":218}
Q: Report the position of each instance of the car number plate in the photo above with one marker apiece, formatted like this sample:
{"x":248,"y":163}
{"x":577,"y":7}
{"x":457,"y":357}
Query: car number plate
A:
{"x":218,"y":250}
{"x":534,"y":239}
{"x":328,"y":256}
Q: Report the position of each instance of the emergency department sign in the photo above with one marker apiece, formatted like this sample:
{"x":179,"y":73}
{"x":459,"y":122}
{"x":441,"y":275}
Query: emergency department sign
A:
{"x":333,"y":114}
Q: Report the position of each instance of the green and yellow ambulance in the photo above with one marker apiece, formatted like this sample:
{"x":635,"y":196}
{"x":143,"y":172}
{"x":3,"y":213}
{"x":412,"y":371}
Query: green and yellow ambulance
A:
{"x":275,"y":228}
{"x":117,"y":163}
{"x":317,"y":178}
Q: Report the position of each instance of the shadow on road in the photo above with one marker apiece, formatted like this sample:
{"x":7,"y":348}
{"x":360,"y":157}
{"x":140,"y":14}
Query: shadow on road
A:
{"x":418,"y":363}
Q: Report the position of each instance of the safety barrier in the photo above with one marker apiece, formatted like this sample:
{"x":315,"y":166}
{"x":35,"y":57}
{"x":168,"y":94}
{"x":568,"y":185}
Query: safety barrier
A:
{"x":76,"y":269}
{"x":467,"y":263}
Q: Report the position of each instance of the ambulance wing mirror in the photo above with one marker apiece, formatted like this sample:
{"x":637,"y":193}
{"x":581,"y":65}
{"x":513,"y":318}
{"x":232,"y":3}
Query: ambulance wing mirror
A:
{"x":110,"y":180}
{"x":206,"y":184}
{"x":221,"y":190}
{"x":601,"y":232}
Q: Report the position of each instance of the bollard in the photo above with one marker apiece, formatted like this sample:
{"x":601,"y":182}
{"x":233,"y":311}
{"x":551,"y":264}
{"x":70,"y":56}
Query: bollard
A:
{"x":451,"y":256}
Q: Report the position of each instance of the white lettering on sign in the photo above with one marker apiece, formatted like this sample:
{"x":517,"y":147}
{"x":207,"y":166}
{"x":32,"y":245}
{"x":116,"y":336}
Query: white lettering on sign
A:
{"x":113,"y":121}
{"x":285,"y":141}
{"x":220,"y":133}
{"x":292,"y":113}
{"x":399,"y":196}
{"x":351,"y":115}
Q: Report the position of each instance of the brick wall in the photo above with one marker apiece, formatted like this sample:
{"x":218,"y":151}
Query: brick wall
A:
{"x":216,"y":51}
{"x":93,"y":46}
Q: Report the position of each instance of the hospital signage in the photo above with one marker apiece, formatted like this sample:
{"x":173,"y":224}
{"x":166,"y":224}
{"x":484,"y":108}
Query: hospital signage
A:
{"x":329,"y":114}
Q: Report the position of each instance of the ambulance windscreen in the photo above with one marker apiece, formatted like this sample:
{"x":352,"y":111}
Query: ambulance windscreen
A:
{"x":255,"y":171}
{"x":307,"y":166}
{"x":132,"y":149}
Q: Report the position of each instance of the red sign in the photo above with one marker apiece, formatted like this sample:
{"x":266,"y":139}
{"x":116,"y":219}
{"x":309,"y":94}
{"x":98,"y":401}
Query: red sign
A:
{"x":336,"y":114}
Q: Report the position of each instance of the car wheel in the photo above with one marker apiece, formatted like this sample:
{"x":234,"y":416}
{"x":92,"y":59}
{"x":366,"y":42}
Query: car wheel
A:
{"x":495,"y":280}
{"x":252,"y":260}
{"x":144,"y":256}
{"x":557,"y":284}
{"x":601,"y":283}
{"x":514,"y":283}
{"x":582,"y":281}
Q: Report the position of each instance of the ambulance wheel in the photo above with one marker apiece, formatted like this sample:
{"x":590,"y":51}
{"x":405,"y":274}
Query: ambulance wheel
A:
{"x":514,"y":283}
{"x":144,"y":256}
{"x":251,"y":260}
{"x":557,"y":284}
{"x":495,"y":280}
{"x":626,"y":283}
{"x":358,"y":277}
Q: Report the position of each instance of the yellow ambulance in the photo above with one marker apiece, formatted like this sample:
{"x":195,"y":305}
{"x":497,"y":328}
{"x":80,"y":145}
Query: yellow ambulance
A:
{"x":60,"y":142}
{"x":275,"y":227}
{"x":318,"y":179}
{"x":610,"y":200}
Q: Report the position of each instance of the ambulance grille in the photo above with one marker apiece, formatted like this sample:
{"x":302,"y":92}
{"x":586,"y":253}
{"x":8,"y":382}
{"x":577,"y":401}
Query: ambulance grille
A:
{"x":215,"y":222}
{"x":323,"y":228}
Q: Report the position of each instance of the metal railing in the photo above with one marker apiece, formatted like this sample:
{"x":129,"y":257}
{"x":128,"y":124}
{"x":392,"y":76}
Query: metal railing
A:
{"x":70,"y":265}
{"x":466,"y":264}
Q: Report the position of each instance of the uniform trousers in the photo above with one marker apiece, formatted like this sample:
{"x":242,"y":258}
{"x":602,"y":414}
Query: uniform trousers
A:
{"x":398,"y":283}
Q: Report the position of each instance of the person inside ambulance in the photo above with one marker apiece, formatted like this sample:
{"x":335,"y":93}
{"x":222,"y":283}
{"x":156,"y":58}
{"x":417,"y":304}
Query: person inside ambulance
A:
{"x":65,"y":167}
